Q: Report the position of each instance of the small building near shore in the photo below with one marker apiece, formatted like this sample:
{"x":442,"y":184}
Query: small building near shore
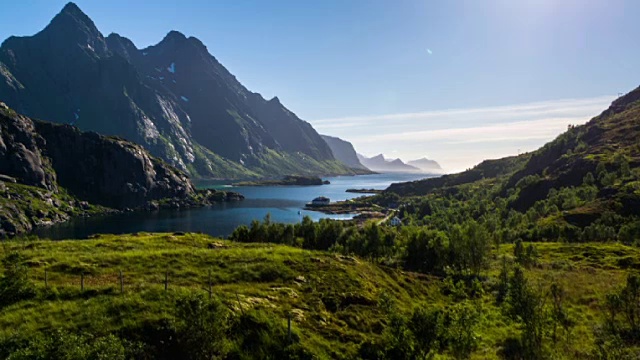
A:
{"x":395,"y":221}
{"x":321,"y":200}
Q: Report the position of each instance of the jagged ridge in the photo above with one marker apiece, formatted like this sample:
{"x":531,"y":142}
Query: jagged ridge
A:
{"x":174,"y":98}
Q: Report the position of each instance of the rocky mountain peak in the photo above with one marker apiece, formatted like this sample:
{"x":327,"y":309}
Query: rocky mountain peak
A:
{"x":275,"y":100}
{"x":72,"y":15}
{"x":173,"y":38}
{"x":73,"y":27}
{"x":121,"y":45}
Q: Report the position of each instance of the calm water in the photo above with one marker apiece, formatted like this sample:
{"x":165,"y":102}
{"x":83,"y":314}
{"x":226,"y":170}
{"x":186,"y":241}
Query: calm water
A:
{"x":282,"y":202}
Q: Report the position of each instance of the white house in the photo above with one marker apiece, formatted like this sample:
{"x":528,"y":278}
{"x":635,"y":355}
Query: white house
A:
{"x":395,"y":221}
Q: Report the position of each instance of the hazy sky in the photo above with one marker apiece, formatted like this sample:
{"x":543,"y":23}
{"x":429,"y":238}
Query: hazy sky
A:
{"x":456,"y":81}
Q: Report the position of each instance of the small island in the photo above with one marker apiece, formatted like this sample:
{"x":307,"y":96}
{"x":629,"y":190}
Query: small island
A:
{"x":291,"y":180}
{"x":364,"y":191}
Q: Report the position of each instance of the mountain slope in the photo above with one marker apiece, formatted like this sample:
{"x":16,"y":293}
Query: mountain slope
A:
{"x":608,"y":141}
{"x":606,"y":144}
{"x":582,"y":186}
{"x":344,"y":151}
{"x":174,"y":98}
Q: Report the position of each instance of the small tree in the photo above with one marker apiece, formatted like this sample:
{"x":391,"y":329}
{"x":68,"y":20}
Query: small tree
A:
{"x":14,"y":283}
{"x":464,"y":319}
{"x":559,"y":315}
{"x":519,"y":252}
{"x":201,"y":327}
{"x":503,"y":282}
{"x":428,"y":331}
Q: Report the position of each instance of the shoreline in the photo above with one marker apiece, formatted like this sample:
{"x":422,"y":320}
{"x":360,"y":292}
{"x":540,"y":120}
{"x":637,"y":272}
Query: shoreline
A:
{"x":200,"y":198}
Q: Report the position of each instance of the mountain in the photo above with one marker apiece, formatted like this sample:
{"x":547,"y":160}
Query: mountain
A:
{"x":344,"y":151}
{"x":380,"y":164}
{"x":584,"y":185}
{"x":426,"y":165}
{"x":173,"y":98}
{"x":50,"y":172}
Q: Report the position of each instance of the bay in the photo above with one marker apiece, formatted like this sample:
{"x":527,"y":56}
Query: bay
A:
{"x":284,"y":204}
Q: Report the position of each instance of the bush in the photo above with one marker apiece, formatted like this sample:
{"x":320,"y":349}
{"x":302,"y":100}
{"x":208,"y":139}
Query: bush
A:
{"x":201,"y":328}
{"x":14,"y":283}
{"x":256,"y":335}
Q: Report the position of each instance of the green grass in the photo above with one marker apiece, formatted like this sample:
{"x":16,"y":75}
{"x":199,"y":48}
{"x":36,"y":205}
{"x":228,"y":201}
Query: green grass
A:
{"x":270,"y":277}
{"x":333,"y":298}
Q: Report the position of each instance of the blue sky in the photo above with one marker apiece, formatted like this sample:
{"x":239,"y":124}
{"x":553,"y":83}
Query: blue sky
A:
{"x":456,"y":81}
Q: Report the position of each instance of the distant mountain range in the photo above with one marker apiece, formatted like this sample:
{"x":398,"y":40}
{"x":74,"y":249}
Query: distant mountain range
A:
{"x":379,"y":163}
{"x":173,"y":98}
{"x":426,"y":165}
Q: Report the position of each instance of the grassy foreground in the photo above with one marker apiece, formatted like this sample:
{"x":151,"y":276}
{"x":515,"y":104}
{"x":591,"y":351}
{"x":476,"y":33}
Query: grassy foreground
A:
{"x":336,"y":302}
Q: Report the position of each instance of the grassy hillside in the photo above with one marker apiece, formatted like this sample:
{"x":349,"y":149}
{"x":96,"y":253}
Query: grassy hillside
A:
{"x":341,"y":306}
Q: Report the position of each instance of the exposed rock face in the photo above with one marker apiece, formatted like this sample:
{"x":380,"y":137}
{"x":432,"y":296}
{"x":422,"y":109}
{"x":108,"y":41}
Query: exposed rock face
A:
{"x":174,"y":98}
{"x":102,"y":170}
{"x":109,"y":171}
{"x":344,"y":151}
{"x":20,"y":152}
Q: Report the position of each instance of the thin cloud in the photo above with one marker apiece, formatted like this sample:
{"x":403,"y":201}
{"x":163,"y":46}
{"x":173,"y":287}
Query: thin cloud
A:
{"x":536,"y":129}
{"x":521,"y":110}
{"x":460,"y":138}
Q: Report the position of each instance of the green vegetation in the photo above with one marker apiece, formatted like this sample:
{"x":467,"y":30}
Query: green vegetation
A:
{"x":273,"y":163}
{"x":290,"y":180}
{"x":22,"y":207}
{"x":551,"y":301}
{"x":529,"y":257}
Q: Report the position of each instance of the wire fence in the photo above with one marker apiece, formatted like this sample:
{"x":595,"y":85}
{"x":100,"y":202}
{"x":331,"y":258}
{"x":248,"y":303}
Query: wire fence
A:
{"x":122,"y":282}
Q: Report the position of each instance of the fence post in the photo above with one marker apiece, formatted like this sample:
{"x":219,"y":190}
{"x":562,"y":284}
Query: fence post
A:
{"x":121,"y":283}
{"x":210,"y":289}
{"x":289,"y":326}
{"x":166,"y":280}
{"x":239,"y":303}
{"x":81,"y":281}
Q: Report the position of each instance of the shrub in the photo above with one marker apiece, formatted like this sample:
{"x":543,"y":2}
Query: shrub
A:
{"x":14,"y":283}
{"x":201,"y":327}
